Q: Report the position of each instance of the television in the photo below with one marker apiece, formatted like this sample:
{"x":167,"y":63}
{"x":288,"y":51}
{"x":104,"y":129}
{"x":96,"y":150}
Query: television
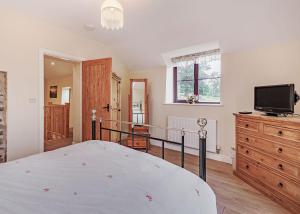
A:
{"x":276,"y":99}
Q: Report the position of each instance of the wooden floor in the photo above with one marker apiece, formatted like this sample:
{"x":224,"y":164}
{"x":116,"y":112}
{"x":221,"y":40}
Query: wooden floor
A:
{"x":58,"y":143}
{"x":233,"y":195}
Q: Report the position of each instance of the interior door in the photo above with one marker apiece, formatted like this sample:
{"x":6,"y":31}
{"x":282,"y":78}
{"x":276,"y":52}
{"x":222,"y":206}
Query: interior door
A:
{"x":116,"y":106}
{"x":96,"y":94}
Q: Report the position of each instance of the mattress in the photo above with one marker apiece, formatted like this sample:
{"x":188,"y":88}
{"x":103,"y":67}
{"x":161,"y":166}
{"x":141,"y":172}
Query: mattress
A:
{"x":103,"y":178}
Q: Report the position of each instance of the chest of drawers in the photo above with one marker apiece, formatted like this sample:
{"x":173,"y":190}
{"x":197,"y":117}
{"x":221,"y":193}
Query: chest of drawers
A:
{"x":268,"y":156}
{"x":139,"y":142}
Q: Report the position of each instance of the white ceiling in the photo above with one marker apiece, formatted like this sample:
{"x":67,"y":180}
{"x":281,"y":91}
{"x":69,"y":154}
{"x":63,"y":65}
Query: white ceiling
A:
{"x":57,"y":68}
{"x":153,"y":27}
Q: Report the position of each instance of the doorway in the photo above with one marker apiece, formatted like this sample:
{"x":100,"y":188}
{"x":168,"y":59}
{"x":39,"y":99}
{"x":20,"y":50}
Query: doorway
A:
{"x":91,"y":90}
{"x":61,"y":102}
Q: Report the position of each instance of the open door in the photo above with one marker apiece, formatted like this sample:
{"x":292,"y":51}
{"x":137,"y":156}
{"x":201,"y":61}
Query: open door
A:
{"x":96,"y":94}
{"x":115,"y":106}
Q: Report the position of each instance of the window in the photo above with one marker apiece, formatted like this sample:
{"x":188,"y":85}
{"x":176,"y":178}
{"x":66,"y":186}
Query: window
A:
{"x":200,"y":76}
{"x":65,"y":95}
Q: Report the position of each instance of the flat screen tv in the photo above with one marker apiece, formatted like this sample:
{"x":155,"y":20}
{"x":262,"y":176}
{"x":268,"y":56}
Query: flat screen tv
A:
{"x":275,"y":99}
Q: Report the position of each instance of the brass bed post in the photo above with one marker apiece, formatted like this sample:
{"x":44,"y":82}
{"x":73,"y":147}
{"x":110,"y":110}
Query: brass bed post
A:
{"x":120,"y":133}
{"x":163,"y":149}
{"x":132,"y":134}
{"x":182,"y":147}
{"x":93,"y":124}
{"x":202,"y":147}
{"x":100,"y":128}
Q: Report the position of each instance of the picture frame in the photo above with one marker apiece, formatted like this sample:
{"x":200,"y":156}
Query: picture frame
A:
{"x":53,"y":92}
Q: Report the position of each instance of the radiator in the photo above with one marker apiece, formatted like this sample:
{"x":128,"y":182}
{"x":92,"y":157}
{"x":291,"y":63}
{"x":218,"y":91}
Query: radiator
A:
{"x":192,"y":140}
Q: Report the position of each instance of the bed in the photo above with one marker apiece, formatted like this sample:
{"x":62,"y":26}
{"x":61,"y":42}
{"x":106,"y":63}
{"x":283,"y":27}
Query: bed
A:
{"x":101,"y":177}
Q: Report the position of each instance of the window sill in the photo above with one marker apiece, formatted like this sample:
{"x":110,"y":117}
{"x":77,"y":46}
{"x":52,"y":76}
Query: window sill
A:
{"x":196,"y":104}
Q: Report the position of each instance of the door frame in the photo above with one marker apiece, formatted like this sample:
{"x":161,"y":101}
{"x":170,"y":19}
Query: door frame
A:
{"x":42,"y":53}
{"x":114,"y":76}
{"x":119,"y":79}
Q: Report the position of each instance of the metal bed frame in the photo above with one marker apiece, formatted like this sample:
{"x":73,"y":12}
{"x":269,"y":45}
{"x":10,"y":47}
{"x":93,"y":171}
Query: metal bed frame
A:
{"x":201,"y":133}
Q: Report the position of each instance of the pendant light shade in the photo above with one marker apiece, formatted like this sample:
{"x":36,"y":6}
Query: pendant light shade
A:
{"x":112,"y":16}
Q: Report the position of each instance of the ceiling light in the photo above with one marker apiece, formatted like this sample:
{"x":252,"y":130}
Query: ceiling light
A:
{"x":112,"y":17}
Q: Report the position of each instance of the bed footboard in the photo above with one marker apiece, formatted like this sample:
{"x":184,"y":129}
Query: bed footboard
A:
{"x":201,"y":133}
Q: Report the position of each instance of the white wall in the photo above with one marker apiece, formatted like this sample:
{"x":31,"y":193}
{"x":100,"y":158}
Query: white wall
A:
{"x":60,"y":82}
{"x":76,"y":99}
{"x":241,"y":71}
{"x":21,"y":38}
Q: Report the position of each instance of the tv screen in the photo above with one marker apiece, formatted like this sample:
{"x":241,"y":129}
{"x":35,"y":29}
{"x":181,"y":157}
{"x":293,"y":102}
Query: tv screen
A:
{"x":278,"y":99}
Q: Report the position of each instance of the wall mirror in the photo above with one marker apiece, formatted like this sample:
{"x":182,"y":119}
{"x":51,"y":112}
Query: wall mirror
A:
{"x":138,"y":101}
{"x":138,"y":113}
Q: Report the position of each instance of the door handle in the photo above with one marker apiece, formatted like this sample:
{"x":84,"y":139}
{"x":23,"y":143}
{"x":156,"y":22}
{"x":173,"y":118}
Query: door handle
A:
{"x":107,"y":107}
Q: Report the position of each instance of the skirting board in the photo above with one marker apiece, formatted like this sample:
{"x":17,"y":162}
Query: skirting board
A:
{"x":212,"y":156}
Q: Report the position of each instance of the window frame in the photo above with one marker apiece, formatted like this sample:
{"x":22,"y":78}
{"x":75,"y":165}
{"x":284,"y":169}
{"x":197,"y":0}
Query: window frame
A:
{"x":69,"y":95}
{"x":196,"y":86}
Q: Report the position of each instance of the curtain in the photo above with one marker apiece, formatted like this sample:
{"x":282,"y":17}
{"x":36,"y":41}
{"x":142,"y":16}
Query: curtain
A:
{"x":201,"y":58}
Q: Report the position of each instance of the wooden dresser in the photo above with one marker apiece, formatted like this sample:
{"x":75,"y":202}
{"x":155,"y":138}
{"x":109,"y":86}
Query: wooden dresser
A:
{"x":139,"y":142}
{"x":268,"y":156}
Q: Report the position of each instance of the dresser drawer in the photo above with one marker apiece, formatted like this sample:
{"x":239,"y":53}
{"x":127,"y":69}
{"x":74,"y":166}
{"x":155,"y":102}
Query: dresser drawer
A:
{"x":138,"y":143}
{"x":277,"y":183}
{"x":277,"y":165}
{"x":276,"y":196}
{"x":282,"y":133}
{"x":248,"y":125}
{"x":280,"y":151}
{"x":245,"y":138}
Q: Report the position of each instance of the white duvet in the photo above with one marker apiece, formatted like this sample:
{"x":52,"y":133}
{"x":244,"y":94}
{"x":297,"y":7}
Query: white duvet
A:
{"x":103,"y":178}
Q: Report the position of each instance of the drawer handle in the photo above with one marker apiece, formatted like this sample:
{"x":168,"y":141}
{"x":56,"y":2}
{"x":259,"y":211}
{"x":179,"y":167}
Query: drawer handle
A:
{"x":247,"y":139}
{"x":247,"y":125}
{"x":280,"y":166}
{"x":280,"y":185}
{"x":279,"y":150}
{"x":247,"y":166}
{"x":280,"y":133}
{"x":247,"y":152}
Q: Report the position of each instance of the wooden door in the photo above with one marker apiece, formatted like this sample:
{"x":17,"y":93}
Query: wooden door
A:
{"x":116,"y":106}
{"x":96,"y":94}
